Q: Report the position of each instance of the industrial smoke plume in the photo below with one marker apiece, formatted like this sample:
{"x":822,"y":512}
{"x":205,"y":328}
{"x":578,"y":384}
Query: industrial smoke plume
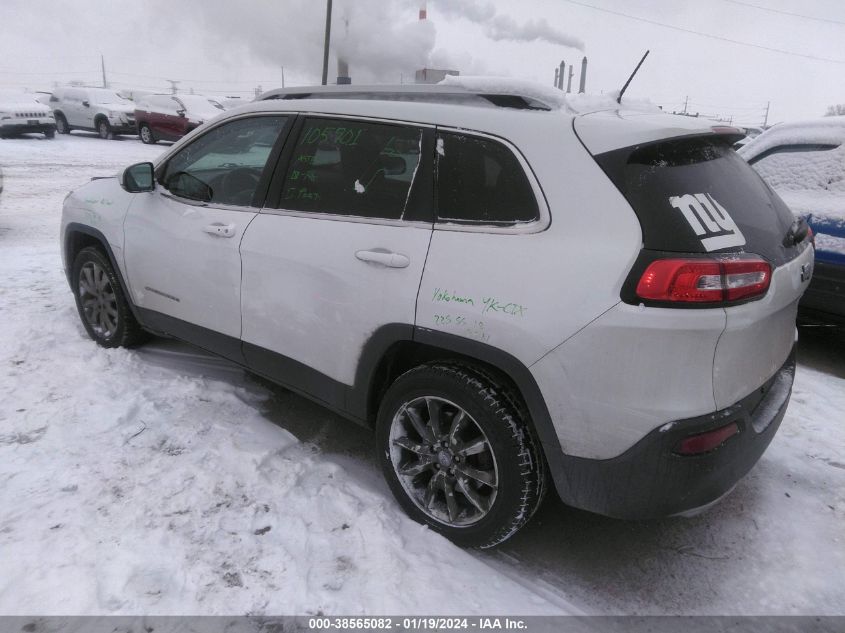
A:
{"x":381,"y":40}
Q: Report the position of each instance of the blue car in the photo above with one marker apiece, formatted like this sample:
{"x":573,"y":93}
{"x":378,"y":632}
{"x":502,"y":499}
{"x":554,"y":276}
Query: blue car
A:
{"x":805,"y":164}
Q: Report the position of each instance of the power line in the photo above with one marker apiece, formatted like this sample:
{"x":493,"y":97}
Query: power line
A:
{"x":795,"y":15}
{"x":708,"y":35}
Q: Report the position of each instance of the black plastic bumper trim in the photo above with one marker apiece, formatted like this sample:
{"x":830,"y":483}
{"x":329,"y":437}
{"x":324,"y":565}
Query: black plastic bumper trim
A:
{"x":649,"y":480}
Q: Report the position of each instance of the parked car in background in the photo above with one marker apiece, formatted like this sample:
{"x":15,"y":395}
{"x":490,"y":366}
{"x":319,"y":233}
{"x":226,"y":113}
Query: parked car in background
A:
{"x":416,"y":259}
{"x":170,"y":117}
{"x":21,"y":113}
{"x":805,"y":164}
{"x":95,"y":109}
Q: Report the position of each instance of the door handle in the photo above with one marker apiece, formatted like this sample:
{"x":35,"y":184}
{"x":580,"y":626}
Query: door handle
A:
{"x":220,"y":230}
{"x":385,"y":258}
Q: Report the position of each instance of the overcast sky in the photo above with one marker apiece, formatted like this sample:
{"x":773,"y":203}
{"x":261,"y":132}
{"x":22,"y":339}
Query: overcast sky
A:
{"x":228,"y":46}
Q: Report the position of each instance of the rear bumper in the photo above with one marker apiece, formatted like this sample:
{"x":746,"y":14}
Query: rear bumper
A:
{"x":825,"y":298}
{"x":650,"y":480}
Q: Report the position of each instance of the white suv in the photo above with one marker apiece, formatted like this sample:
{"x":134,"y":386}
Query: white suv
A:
{"x":95,"y":109}
{"x":503,"y":288}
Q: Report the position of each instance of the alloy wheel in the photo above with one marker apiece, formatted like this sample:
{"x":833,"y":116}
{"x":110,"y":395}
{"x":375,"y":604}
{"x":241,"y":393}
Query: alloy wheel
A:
{"x":444,"y":461}
{"x":98,"y":301}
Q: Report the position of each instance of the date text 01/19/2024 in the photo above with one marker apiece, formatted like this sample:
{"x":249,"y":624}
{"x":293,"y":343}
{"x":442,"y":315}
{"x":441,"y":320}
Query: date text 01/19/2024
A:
{"x":416,"y":623}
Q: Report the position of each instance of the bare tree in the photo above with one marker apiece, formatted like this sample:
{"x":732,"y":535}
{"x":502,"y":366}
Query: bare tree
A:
{"x":835,"y":110}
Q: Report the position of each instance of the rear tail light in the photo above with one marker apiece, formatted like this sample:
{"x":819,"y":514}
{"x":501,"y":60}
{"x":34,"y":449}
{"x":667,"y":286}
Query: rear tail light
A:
{"x":704,"y":280}
{"x":706,"y":442}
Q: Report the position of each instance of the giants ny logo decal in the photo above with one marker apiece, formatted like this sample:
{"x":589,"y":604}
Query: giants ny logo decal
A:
{"x":709,"y":220}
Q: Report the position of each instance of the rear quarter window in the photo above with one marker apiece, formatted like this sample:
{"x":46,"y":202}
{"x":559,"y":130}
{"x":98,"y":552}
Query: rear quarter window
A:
{"x":480,"y":181}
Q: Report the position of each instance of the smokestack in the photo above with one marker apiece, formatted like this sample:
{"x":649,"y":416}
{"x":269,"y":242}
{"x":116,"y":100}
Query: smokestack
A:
{"x":343,"y":77}
{"x":583,"y":85}
{"x":557,"y":73}
{"x":561,"y":74}
{"x":569,"y":81}
{"x":423,"y":13}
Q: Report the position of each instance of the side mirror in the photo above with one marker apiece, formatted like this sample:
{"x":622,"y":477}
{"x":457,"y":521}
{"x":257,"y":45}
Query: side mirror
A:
{"x":180,"y":112}
{"x":138,"y":178}
{"x":86,"y":104}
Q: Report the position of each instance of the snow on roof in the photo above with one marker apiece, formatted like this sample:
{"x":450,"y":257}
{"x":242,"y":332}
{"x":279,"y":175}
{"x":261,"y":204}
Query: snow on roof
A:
{"x":828,"y":130}
{"x":576,"y":103}
{"x":508,"y":86}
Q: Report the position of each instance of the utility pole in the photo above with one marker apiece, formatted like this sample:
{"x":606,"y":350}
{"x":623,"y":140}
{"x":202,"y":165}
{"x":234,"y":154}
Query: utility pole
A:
{"x":686,"y":102}
{"x":173,"y":85}
{"x":103,"y":68}
{"x":766,"y":117}
{"x":327,"y":40}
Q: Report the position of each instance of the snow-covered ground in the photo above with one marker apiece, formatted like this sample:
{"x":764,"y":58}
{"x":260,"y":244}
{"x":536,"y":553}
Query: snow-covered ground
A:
{"x":161,"y":480}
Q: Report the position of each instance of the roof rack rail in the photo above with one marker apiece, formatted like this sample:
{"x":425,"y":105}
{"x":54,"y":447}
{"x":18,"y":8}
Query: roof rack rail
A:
{"x":429,"y":93}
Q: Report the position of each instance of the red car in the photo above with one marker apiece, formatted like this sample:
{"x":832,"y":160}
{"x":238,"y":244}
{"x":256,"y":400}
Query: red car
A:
{"x":170,"y":117}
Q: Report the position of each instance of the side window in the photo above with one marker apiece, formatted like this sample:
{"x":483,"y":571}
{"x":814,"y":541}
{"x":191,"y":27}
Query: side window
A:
{"x":802,"y":167}
{"x":224,"y":165}
{"x":480,"y":181}
{"x":357,"y":168}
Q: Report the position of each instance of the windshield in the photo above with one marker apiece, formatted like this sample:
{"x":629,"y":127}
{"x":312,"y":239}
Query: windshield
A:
{"x":107,"y":97}
{"x":199,"y":106}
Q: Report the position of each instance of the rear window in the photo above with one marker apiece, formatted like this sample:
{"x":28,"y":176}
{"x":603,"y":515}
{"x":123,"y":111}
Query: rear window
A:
{"x":696,"y":195}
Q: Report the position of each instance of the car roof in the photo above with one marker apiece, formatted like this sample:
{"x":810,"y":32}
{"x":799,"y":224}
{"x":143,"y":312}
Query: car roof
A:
{"x":822,"y":131}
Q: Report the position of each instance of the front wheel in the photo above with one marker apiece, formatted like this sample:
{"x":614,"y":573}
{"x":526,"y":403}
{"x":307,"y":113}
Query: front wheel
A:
{"x":458,"y":454}
{"x":102,"y":306}
{"x":104,"y":129}
{"x":61,"y":124}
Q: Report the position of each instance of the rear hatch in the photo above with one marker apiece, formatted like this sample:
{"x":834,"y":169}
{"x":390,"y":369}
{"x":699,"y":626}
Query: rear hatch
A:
{"x":695,"y":197}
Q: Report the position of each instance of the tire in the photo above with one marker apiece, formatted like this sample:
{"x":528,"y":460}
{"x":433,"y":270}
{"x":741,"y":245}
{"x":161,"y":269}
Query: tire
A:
{"x":104,"y":129}
{"x":146,"y":134}
{"x":61,"y":124}
{"x":50,"y":134}
{"x":476,"y":482}
{"x":102,"y":306}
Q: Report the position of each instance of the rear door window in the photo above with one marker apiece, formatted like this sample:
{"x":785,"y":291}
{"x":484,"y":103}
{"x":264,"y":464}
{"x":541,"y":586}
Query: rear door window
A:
{"x":480,"y":181}
{"x":354,"y":168}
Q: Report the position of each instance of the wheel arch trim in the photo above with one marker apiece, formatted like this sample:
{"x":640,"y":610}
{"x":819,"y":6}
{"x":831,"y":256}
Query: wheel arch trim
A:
{"x":83,"y":229}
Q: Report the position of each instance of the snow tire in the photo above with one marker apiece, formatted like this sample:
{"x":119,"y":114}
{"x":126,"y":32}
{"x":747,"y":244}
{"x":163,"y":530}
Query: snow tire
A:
{"x":497,"y":412}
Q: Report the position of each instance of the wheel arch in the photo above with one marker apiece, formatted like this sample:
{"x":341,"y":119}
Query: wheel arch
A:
{"x":392,"y":351}
{"x":78,"y":236}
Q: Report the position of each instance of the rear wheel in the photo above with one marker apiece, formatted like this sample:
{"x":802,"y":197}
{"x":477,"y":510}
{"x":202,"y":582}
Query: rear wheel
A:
{"x":146,"y":134}
{"x":61,"y":124}
{"x":458,"y":456}
{"x":102,"y":306}
{"x":104,"y":129}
